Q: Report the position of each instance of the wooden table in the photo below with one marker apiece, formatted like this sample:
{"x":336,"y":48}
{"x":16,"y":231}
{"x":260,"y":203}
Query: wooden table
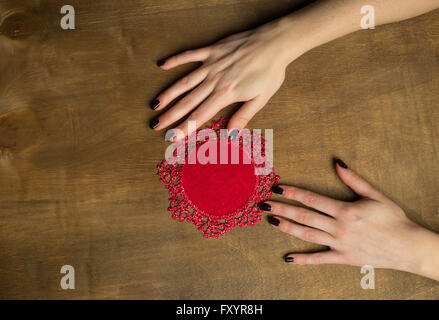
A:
{"x":78,"y":182}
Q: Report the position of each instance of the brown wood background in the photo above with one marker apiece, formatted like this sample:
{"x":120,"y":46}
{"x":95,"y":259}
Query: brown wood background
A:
{"x":78,"y":163}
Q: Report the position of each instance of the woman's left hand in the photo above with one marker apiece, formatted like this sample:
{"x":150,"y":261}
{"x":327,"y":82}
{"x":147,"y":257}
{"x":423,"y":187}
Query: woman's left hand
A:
{"x":370,"y":231}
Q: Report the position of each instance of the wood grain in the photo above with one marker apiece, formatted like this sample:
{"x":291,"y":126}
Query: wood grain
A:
{"x":78,"y":178}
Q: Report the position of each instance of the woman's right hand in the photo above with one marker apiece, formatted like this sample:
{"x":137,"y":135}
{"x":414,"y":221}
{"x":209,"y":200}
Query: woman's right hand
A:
{"x":247,"y":67}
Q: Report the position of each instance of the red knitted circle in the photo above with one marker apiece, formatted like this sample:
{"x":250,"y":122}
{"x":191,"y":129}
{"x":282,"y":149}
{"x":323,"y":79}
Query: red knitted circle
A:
{"x":219,"y":189}
{"x":217,"y":197}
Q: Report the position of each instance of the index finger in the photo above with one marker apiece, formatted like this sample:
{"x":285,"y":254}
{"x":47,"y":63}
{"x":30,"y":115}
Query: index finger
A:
{"x":313,"y":200}
{"x":207,"y":110}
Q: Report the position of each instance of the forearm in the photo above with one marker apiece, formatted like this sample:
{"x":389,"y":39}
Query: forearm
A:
{"x":327,"y":20}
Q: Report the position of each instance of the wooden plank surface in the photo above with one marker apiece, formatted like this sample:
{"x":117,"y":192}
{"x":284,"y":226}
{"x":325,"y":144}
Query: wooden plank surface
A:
{"x":78,"y":163}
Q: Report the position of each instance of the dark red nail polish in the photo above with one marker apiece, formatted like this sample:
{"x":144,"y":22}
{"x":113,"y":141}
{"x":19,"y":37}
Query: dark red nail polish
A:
{"x":161,"y":62}
{"x":277,"y":190}
{"x":154,"y":123}
{"x":289,"y":259}
{"x":155,"y":104}
{"x":341,"y":163}
{"x":274,"y":221}
{"x":264,"y":206}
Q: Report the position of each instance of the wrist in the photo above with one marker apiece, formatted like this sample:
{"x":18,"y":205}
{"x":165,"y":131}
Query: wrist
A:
{"x":423,"y":253}
{"x":290,"y":44}
{"x":312,"y":26}
{"x":428,"y":257}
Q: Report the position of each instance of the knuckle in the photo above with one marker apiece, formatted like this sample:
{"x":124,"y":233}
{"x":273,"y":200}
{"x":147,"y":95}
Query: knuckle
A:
{"x":277,"y":208}
{"x":188,"y":100}
{"x":203,"y":70}
{"x":340,"y":231}
{"x":309,"y":198}
{"x":287,"y":227}
{"x":303,"y":216}
{"x":309,"y":235}
{"x":214,"y":70}
{"x":315,"y":258}
{"x":290,"y":192}
{"x":185,"y":81}
{"x":224,"y":91}
{"x":216,"y":76}
{"x":348,"y":213}
{"x":212,"y":75}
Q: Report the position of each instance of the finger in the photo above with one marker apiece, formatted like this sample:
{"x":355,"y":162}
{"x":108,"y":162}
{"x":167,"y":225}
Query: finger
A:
{"x":186,"y":83}
{"x":302,"y":232}
{"x":323,"y":257}
{"x":237,"y":36}
{"x":185,"y":57}
{"x":207,"y":110}
{"x":302,"y":216}
{"x":356,"y":183}
{"x":247,"y":111}
{"x":313,"y":200}
{"x":185,"y":105}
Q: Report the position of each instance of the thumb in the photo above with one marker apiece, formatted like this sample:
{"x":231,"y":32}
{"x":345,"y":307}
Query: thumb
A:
{"x":247,"y":111}
{"x":356,"y":183}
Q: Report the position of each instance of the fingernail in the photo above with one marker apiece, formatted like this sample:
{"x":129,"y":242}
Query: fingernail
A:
{"x":289,"y":259}
{"x":264,"y":206}
{"x":170,"y":135}
{"x":277,"y":190}
{"x":233,"y":134}
{"x":274,"y":221}
{"x":341,"y":163}
{"x":154,"y":123}
{"x":161,"y":62}
{"x":155,"y":104}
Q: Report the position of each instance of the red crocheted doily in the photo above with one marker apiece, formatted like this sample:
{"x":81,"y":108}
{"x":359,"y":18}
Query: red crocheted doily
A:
{"x":216,"y":197}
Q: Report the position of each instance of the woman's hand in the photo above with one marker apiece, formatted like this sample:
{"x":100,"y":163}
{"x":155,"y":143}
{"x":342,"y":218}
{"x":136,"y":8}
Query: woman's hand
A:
{"x":250,"y":67}
{"x":247,"y":67}
{"x":371,"y":231}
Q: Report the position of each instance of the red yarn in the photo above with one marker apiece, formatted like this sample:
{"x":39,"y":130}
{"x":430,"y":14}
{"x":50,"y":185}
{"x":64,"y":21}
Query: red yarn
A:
{"x":217,"y":197}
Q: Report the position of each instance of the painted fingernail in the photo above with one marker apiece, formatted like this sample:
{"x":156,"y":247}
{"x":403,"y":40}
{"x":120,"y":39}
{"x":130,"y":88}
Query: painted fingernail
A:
{"x":154,"y":123}
{"x":233,"y":134}
{"x":155,"y":104}
{"x":274,"y":221}
{"x":161,"y":62}
{"x":289,"y":259}
{"x":277,"y":190}
{"x":341,"y":163}
{"x":170,"y":135}
{"x":264,"y":206}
